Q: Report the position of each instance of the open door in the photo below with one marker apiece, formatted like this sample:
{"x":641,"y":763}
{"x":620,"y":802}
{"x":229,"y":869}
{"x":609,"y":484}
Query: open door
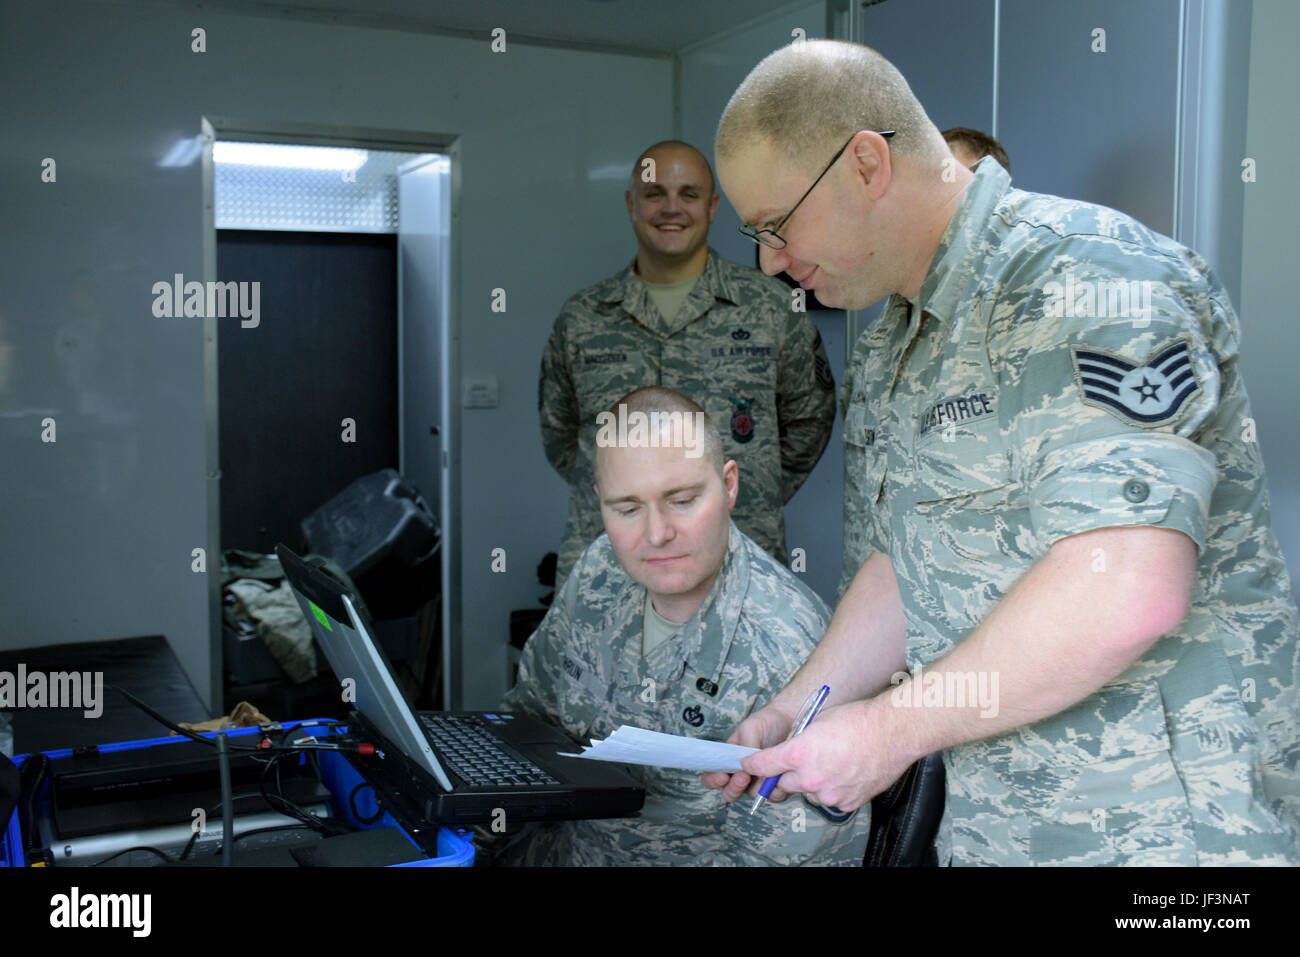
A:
{"x":425,"y":364}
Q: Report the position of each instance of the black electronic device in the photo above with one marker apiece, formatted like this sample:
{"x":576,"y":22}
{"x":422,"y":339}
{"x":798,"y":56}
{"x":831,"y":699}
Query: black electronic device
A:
{"x":95,"y":791}
{"x":455,"y":768}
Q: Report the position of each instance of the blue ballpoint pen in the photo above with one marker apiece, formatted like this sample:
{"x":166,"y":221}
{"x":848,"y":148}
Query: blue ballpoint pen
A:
{"x":809,"y":712}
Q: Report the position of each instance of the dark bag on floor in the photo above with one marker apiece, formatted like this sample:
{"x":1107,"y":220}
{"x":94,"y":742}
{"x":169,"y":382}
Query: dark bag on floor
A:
{"x":905,"y":817}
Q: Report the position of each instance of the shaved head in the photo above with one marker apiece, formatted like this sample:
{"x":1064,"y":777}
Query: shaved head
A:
{"x":671,"y":201}
{"x":807,"y":98}
{"x":665,"y":146}
{"x":658,"y":405}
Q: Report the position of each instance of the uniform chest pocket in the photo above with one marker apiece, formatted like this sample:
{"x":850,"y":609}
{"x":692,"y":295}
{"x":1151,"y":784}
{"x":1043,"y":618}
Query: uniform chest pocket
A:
{"x":602,"y":374}
{"x":583,"y":698}
{"x":962,"y":467}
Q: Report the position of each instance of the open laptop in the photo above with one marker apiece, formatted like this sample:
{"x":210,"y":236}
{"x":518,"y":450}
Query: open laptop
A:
{"x":458,"y":767}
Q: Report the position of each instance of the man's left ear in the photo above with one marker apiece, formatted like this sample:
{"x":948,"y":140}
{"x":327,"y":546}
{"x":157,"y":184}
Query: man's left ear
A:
{"x":873,"y":166}
{"x":713,"y":206}
{"x":731,"y":481}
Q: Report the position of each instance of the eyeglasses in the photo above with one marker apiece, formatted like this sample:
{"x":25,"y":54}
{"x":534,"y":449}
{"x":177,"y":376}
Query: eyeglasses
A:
{"x":770,"y":237}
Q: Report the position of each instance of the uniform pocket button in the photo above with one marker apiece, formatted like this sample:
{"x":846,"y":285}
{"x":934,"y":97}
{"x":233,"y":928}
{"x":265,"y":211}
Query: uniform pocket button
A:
{"x":1135,"y":490}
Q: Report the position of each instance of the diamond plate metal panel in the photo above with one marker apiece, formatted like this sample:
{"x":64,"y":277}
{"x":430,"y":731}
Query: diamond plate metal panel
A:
{"x":308,"y":188}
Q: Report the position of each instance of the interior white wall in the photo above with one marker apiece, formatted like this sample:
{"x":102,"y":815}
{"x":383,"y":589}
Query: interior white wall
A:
{"x":98,"y":527}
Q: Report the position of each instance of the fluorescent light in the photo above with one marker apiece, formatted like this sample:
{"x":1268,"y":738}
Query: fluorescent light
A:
{"x":294,"y":157}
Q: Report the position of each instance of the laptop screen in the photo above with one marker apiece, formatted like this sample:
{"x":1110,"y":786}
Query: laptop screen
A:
{"x":367,"y":681}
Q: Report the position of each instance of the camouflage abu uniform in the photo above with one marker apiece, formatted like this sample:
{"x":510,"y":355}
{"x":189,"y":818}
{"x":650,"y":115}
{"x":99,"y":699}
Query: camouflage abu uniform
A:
{"x":997,"y":421}
{"x":583,"y":670}
{"x":735,"y":347}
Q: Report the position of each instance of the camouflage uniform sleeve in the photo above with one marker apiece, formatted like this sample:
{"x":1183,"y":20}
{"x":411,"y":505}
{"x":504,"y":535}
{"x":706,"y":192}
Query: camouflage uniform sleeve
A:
{"x":538,"y":686}
{"x":1105,"y":417}
{"x":781,"y":627}
{"x":557,"y":402}
{"x":805,"y":399}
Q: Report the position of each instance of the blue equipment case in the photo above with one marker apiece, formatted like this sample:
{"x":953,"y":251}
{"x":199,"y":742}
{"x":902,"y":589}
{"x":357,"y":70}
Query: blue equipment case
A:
{"x":454,"y":848}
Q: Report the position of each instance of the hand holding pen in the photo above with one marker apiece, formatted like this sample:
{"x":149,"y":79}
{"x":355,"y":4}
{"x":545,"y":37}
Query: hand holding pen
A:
{"x":806,"y":714}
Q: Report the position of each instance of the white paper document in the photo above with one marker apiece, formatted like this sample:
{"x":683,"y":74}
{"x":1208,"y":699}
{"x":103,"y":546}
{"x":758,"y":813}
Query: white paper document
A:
{"x":629,"y":745}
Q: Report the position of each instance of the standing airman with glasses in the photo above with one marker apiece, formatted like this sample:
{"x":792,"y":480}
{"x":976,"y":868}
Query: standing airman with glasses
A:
{"x":1056,"y":516}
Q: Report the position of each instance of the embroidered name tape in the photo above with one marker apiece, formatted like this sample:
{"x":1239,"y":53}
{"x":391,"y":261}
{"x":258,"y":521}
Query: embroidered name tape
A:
{"x":585,"y":678}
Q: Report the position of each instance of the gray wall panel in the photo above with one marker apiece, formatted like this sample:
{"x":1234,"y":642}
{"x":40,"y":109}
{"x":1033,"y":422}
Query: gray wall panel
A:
{"x":1094,"y":126}
{"x":945,"y":50}
{"x":1270,"y":332}
{"x":1216,"y":83}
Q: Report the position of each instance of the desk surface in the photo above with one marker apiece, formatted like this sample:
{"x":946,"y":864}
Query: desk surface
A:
{"x":144,"y":666}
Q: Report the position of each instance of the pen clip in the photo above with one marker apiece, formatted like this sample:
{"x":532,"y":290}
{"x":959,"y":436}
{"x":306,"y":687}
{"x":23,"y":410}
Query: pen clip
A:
{"x":812,"y":704}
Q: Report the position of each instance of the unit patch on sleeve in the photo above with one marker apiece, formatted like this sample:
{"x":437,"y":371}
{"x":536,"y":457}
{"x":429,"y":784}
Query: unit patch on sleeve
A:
{"x":1146,"y":394}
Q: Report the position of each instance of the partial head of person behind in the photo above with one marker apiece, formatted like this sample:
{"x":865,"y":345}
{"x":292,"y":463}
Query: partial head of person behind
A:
{"x":869,"y":227}
{"x":970,"y":146}
{"x":666,"y":495}
{"x":671,"y":200}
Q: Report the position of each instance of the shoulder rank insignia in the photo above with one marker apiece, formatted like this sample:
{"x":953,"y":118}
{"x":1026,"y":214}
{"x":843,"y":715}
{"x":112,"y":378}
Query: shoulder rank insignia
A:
{"x":821,"y":367}
{"x":822,"y":372}
{"x":1146,"y":394}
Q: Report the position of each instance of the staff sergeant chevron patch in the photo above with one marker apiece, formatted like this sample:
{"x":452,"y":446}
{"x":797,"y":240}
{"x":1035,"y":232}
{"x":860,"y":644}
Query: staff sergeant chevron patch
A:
{"x":1146,"y":395}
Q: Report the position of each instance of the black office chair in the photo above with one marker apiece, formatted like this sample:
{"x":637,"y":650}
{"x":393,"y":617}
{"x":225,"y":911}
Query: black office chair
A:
{"x":905,"y":817}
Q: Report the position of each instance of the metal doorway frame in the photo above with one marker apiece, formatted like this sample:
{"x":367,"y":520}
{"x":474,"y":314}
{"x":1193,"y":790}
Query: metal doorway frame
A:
{"x":243,"y":129}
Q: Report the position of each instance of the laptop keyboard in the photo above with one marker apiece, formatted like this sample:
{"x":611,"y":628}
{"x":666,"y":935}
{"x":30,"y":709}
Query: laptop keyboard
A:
{"x":476,"y":755}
